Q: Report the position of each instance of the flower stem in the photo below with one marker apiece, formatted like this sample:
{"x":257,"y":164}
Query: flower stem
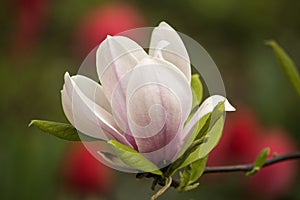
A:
{"x":163,"y":189}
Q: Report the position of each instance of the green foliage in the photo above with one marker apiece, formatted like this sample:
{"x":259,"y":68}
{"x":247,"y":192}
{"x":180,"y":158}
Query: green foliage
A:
{"x":286,"y":64}
{"x":203,"y":141}
{"x":259,"y":161}
{"x":199,"y":129}
{"x":213,"y":136}
{"x":61,"y":130}
{"x":197,"y":90}
{"x":191,"y":174}
{"x":212,"y":130}
{"x":133,"y":158}
{"x":178,"y":164}
{"x":206,"y":122}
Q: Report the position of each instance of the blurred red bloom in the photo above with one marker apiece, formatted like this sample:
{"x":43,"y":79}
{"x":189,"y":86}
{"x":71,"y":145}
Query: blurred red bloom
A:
{"x":243,"y":138}
{"x":104,"y":20}
{"x":276,"y":180}
{"x":29,"y":19}
{"x":85,"y":174}
{"x":239,"y":137}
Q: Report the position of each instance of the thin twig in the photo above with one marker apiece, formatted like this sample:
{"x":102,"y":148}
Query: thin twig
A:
{"x":246,"y":167}
{"x":163,"y":189}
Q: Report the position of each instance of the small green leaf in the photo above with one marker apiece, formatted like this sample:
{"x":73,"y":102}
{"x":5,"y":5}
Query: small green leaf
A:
{"x":61,"y":130}
{"x":190,"y":187}
{"x":208,"y":130}
{"x":191,"y":174}
{"x":213,"y":137}
{"x":215,"y":115}
{"x":197,"y":90}
{"x":286,"y":64}
{"x":184,"y":180}
{"x":197,"y":169}
{"x":259,"y":161}
{"x":200,"y":128}
{"x":175,"y":166}
{"x":133,"y":158}
{"x":212,"y":130}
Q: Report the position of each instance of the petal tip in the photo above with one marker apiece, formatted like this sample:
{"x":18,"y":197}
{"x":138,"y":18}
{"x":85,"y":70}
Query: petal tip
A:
{"x":164,"y":24}
{"x":67,"y":76}
{"x":228,"y":106}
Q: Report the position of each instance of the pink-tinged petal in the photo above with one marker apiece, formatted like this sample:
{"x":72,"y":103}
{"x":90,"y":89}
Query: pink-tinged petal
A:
{"x":206,"y":107}
{"x":118,"y":102}
{"x":119,"y":97}
{"x":89,"y":117}
{"x":115,"y":57}
{"x":164,"y":156}
{"x":158,"y":101}
{"x":166,"y":43}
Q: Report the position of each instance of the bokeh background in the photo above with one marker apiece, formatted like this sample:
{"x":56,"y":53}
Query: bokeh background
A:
{"x":42,"y":39}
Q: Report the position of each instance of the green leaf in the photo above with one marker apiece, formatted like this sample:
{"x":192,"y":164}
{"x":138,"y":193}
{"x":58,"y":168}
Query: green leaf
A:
{"x":212,"y":130}
{"x":61,"y":130}
{"x":189,"y":187}
{"x":197,"y":90}
{"x":259,"y":162}
{"x":184,"y":179}
{"x":210,"y":126}
{"x":197,"y":169}
{"x":213,"y":137}
{"x":199,"y":129}
{"x":191,"y":174}
{"x":175,"y":166}
{"x":133,"y":158}
{"x":286,"y":64}
{"x":215,"y":115}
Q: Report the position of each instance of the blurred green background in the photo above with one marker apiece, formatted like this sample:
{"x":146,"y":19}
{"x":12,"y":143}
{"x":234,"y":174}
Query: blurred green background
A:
{"x":37,"y":50}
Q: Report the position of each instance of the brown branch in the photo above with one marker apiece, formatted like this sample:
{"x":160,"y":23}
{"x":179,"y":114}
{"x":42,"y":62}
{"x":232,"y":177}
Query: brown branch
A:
{"x":246,"y":167}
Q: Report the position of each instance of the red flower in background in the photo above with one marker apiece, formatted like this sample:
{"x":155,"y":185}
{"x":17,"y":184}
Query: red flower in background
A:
{"x":239,"y":136}
{"x":276,"y":180}
{"x":104,"y":20}
{"x":83,"y":173}
{"x":28,"y":22}
{"x":242,"y":140}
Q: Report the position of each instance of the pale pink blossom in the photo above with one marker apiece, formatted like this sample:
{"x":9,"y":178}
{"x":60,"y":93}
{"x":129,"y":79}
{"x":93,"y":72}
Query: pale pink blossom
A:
{"x":143,"y":100}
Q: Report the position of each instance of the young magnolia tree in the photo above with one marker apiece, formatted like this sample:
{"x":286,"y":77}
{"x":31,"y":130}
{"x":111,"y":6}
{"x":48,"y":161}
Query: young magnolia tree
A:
{"x":147,"y":115}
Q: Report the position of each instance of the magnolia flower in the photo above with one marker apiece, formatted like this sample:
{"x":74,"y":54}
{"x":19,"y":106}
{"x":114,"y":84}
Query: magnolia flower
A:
{"x":144,"y":99}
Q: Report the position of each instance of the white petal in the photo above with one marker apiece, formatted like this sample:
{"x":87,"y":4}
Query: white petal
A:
{"x":168,"y":153}
{"x":67,"y":105}
{"x":206,"y":107}
{"x":88,"y":117}
{"x":115,"y":57}
{"x":92,"y":90}
{"x":166,"y":42}
{"x":158,"y":101}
